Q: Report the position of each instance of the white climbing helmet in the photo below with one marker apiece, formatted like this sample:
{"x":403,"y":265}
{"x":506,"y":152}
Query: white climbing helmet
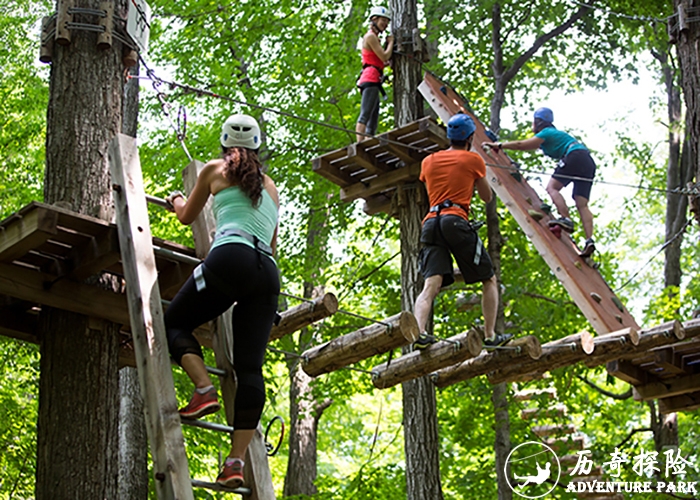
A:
{"x":380,"y":12}
{"x":240,"y":131}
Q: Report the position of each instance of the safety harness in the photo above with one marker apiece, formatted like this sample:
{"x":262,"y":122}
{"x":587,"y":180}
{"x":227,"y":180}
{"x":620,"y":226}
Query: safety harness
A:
{"x":474,"y":226}
{"x":200,"y":271}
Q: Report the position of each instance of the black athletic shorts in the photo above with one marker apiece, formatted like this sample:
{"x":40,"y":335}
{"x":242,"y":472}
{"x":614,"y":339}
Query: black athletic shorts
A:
{"x":454,"y":237}
{"x":577,"y":164}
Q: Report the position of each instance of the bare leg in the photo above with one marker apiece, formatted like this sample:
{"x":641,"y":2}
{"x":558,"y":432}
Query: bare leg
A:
{"x":361,"y":128}
{"x":586,"y":215}
{"x":489,"y":306}
{"x":424,"y":302}
{"x":239,"y":443}
{"x":197,"y":371}
{"x":554,"y":189}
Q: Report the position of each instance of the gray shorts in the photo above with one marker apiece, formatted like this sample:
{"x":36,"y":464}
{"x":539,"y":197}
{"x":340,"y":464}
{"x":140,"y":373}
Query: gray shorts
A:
{"x":457,"y":238}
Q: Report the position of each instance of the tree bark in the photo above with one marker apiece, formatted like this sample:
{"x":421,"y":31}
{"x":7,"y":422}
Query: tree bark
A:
{"x":78,"y":387}
{"x":419,"y":403}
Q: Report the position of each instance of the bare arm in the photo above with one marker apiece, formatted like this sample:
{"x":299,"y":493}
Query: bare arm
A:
{"x":524,"y":145}
{"x":372,"y":42}
{"x":270,"y":187}
{"x":188,"y":209}
{"x":484,"y":190}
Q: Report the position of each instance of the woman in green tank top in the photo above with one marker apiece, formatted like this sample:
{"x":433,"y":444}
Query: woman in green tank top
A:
{"x":239,"y":269}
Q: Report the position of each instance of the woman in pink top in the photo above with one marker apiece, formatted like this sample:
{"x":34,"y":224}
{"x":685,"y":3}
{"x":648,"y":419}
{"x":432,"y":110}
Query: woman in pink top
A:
{"x":374,"y":58}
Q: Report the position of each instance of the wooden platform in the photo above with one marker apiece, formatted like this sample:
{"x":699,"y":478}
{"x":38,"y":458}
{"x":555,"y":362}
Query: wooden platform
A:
{"x":670,"y":374}
{"x":46,"y":253}
{"x":372,"y":169}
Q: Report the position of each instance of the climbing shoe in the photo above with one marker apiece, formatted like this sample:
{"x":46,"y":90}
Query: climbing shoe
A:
{"x":424,"y":340}
{"x":588,"y":248}
{"x":231,"y":476}
{"x":564,"y":222}
{"x":499,"y":340}
{"x":201,"y":405}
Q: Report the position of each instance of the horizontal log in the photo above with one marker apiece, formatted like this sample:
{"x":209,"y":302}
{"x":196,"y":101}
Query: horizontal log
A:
{"x":553,"y":430}
{"x":399,"y":330}
{"x":419,"y":363}
{"x":558,"y":410}
{"x":522,"y":348}
{"x":555,"y":354}
{"x":530,"y":394}
{"x":301,"y":316}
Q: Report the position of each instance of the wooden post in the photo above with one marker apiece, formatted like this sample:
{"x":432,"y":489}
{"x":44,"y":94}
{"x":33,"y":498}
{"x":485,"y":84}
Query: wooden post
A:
{"x":104,"y":39}
{"x":419,"y":363}
{"x":520,"y":349}
{"x":303,"y":315}
{"x":147,"y":326}
{"x":394,"y":332}
{"x":63,"y":34}
{"x":257,"y":470}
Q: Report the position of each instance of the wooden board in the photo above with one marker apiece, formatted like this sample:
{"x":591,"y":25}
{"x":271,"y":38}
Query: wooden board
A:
{"x":579,"y":279}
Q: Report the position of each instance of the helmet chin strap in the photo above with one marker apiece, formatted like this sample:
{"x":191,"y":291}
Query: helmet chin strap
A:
{"x":375,"y":28}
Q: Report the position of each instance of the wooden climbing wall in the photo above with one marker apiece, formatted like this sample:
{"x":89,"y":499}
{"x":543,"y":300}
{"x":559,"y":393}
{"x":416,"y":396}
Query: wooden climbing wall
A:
{"x":587,"y":288}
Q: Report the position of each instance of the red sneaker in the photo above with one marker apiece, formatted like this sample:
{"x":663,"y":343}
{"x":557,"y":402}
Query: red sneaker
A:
{"x":231,"y":475}
{"x":201,"y":404}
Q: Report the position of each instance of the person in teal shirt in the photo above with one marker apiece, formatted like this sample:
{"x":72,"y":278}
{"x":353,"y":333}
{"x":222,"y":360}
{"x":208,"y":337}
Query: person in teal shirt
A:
{"x":240,"y":269}
{"x":575,"y":164}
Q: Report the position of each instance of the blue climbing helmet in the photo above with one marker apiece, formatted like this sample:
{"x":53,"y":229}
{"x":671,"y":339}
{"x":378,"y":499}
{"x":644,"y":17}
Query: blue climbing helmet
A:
{"x":544,"y":114}
{"x":460,"y":127}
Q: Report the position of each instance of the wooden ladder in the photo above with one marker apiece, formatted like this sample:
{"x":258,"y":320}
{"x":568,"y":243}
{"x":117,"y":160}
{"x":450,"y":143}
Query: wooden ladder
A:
{"x":163,"y":421}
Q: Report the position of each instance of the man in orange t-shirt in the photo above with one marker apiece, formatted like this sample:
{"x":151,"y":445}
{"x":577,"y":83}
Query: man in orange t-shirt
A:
{"x":450,"y":178}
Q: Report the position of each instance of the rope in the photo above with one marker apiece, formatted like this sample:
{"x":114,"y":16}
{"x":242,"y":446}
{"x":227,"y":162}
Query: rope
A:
{"x":157,"y":81}
{"x":662,"y":248}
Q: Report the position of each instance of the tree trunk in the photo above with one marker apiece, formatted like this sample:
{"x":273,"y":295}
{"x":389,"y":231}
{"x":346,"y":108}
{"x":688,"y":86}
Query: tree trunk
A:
{"x":304,"y":410}
{"x":419,"y":404}
{"x":78,"y":386}
{"x":688,"y":48}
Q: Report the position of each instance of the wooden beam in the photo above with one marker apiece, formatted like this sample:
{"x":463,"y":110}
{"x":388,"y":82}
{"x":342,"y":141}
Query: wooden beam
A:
{"x":381,"y":183}
{"x":379,"y":203}
{"x":397,"y":331}
{"x":558,"y":410}
{"x":147,"y":326}
{"x":565,"y":444}
{"x":671,"y":362}
{"x":325,"y":169}
{"x":669,"y":387}
{"x":627,"y":372}
{"x":301,"y":316}
{"x":555,"y":354}
{"x":419,"y":363}
{"x":684,"y":402}
{"x":356,"y":153}
{"x":553,"y":430}
{"x":402,"y":153}
{"x":96,"y":255}
{"x":26,"y":232}
{"x":530,"y":394}
{"x":436,"y":133}
{"x":527,"y":347}
{"x":19,"y":325}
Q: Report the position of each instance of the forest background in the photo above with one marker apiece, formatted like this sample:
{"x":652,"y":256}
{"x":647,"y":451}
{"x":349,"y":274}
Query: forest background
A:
{"x":301,"y":57}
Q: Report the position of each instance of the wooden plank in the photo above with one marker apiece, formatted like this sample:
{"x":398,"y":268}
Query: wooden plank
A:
{"x":627,"y":371}
{"x":26,"y":232}
{"x":435,"y":133}
{"x":558,"y":410}
{"x":669,"y":387}
{"x":669,"y":361}
{"x":147,"y":326}
{"x":379,"y":203}
{"x":97,"y":254}
{"x":380,"y":183}
{"x":397,"y":331}
{"x":403,"y":154}
{"x":579,"y":279}
{"x":684,"y":402}
{"x":34,"y":286}
{"x":324,"y":168}
{"x":358,"y":154}
{"x":553,"y":430}
{"x":419,"y":363}
{"x":257,"y":470}
{"x":18,"y":325}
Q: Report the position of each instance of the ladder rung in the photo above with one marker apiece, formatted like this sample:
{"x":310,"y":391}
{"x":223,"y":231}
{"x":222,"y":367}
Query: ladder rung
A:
{"x":171,"y":254}
{"x":217,"y":487}
{"x":212,"y":426}
{"x":216,"y":371}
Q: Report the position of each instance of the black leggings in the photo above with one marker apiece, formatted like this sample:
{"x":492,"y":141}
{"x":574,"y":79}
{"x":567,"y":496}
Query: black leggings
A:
{"x":252,"y":282}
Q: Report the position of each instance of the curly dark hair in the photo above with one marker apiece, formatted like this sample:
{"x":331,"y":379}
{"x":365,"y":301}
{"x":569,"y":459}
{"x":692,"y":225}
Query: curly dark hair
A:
{"x":243,"y":168}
